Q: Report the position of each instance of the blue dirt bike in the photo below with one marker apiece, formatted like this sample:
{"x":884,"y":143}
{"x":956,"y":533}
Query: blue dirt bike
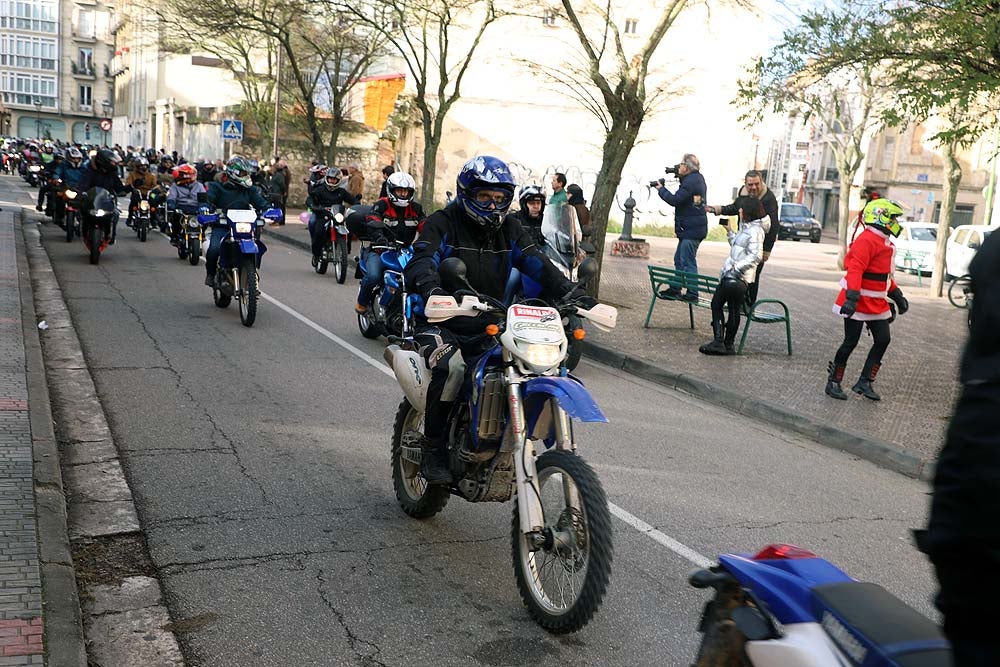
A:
{"x":517,"y":397}
{"x":389,"y":312}
{"x":239,"y":259}
{"x":786,"y":607}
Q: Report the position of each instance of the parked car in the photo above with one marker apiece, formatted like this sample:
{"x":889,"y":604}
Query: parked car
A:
{"x":796,"y":222}
{"x":963,"y":243}
{"x":915,"y":247}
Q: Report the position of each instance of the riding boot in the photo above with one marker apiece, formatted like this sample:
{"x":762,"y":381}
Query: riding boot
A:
{"x":717,"y":345}
{"x":434,"y":462}
{"x":864,"y":384}
{"x":834,"y":376}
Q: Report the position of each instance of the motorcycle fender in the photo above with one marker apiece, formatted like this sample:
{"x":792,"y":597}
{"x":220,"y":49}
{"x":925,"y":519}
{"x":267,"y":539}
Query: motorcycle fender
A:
{"x":248,"y":246}
{"x":572,"y":396}
{"x":411,"y":373}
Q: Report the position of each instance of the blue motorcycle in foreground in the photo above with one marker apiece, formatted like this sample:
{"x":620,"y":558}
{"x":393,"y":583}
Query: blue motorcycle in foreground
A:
{"x":786,"y":607}
{"x":239,"y":259}
{"x":518,"y":397}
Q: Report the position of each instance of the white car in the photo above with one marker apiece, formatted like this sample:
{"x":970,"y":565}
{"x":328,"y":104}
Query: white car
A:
{"x":915,"y":247}
{"x":963,"y":243}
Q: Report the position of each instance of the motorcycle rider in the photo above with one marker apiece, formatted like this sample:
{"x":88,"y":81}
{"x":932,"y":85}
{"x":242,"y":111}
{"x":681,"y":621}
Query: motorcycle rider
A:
{"x":862,"y":299}
{"x":45,"y":186}
{"x":397,"y":218}
{"x":738,"y":273}
{"x":237,"y":192}
{"x":328,"y":194}
{"x":102,"y":172}
{"x":70,"y":172}
{"x":182,"y":198}
{"x":474,"y":229}
{"x":531,"y":198}
{"x":141,"y":181}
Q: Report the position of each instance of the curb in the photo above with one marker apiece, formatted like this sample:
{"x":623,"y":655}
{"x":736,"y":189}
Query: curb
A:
{"x":288,"y":239}
{"x":64,"y":637}
{"x":879,"y":452}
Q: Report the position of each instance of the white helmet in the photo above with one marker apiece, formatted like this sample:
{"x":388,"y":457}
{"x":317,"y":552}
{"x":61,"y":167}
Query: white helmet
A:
{"x":400,"y":180}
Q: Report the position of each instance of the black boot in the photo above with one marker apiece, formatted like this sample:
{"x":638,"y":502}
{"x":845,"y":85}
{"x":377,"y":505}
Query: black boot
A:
{"x":864,"y":384}
{"x":834,"y":376}
{"x":434,"y":462}
{"x":716,"y":346}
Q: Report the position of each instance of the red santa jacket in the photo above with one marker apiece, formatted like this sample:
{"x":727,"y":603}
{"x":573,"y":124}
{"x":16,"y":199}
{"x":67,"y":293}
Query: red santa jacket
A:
{"x":869,"y":264}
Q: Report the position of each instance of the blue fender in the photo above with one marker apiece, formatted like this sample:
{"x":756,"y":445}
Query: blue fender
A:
{"x":573,"y":397}
{"x":248,"y":246}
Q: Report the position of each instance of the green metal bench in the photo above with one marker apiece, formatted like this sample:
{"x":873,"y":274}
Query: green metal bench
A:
{"x":661,"y":277}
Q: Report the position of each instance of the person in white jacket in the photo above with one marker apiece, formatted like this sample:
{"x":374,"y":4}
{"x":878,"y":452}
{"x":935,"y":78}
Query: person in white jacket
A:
{"x":738,"y":271}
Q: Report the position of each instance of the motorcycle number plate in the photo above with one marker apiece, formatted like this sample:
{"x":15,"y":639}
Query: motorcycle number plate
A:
{"x":535,"y":324}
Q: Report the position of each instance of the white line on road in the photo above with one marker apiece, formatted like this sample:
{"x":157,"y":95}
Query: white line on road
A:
{"x":663,"y":539}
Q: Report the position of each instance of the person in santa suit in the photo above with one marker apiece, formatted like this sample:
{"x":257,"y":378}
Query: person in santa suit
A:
{"x":865,"y":294}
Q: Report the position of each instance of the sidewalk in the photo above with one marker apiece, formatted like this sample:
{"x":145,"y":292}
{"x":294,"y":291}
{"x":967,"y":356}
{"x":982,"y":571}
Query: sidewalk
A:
{"x":918,"y":380}
{"x":37,"y":589}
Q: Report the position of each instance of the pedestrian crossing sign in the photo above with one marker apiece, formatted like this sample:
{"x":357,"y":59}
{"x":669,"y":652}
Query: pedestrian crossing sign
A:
{"x":232,"y":129}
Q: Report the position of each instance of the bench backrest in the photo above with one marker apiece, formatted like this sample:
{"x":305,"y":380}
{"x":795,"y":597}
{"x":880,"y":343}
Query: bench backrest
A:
{"x":661,"y":275}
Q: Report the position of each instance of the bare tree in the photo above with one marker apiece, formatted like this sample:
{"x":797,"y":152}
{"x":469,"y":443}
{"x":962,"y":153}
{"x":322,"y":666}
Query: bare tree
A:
{"x":437,"y":39}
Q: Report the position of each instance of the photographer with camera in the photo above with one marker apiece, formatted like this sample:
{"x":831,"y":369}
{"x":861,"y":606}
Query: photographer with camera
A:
{"x":690,"y":221}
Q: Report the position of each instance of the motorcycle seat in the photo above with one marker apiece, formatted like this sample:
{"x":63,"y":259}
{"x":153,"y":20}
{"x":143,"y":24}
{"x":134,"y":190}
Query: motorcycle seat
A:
{"x":873,"y":627}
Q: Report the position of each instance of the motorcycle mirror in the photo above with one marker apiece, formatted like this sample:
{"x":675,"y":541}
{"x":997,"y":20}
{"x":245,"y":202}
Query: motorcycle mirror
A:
{"x":453,"y":274}
{"x":586,"y":271}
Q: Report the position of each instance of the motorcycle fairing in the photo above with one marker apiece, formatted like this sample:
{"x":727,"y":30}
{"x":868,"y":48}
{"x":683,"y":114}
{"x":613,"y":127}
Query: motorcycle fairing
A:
{"x":572,"y":396}
{"x":784,"y":585}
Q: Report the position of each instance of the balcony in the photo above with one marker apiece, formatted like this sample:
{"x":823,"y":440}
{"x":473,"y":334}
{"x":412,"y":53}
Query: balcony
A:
{"x":83,"y":72}
{"x":84,"y":34}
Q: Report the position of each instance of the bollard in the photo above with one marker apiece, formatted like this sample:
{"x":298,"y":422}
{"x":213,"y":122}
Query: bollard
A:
{"x":627,"y":224}
{"x":626,"y":246}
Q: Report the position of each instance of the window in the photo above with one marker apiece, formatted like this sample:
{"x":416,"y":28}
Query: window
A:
{"x":85,"y":60}
{"x":23,"y":88}
{"x":549,"y":17}
{"x":630,"y":26}
{"x":888,"y":153}
{"x":85,"y":24}
{"x":86,"y":97}
{"x":34,"y":15}
{"x":28,"y":52}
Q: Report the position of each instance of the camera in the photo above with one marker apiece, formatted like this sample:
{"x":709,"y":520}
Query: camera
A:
{"x":656,"y":184}
{"x":671,"y":170}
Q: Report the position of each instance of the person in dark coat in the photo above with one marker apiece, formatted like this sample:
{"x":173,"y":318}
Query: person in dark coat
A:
{"x":690,"y":221}
{"x":962,"y":538}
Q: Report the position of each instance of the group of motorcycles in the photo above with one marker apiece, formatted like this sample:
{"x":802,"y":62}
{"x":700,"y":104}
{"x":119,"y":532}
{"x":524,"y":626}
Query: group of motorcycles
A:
{"x":511,"y":437}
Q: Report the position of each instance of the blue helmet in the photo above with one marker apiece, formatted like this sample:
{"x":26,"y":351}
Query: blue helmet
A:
{"x":485,"y":173}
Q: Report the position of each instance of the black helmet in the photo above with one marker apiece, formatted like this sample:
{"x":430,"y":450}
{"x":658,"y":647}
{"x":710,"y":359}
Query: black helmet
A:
{"x":106,"y":160}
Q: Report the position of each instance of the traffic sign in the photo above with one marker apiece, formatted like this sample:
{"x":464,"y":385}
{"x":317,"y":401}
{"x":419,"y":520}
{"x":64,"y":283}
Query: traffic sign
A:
{"x":106,"y":124}
{"x":232,"y":129}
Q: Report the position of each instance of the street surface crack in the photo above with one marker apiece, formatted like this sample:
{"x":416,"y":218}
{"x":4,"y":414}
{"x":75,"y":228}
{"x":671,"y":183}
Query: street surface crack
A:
{"x":240,"y":516}
{"x":367,"y":651}
{"x":749,"y":525}
{"x":217,"y":431}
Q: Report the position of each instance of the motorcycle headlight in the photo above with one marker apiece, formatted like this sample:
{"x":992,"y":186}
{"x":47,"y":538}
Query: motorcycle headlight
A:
{"x":244,"y":227}
{"x":541,"y":356}
{"x":100,"y":213}
{"x":143,"y":205}
{"x":35,"y":168}
{"x":193,"y":222}
{"x":339,"y":217}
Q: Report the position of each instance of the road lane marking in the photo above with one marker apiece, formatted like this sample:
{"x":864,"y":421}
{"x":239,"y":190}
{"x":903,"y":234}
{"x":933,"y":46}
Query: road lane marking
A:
{"x":360,"y":354}
{"x":649,"y":531}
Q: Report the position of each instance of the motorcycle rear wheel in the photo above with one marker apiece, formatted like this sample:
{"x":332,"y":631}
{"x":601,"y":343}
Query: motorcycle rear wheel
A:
{"x":222,"y":300}
{"x":369,"y":326}
{"x":248,"y":292}
{"x":340,"y":261}
{"x":570,"y":601}
{"x":416,"y":497}
{"x":194,"y":252}
{"x":96,"y":236}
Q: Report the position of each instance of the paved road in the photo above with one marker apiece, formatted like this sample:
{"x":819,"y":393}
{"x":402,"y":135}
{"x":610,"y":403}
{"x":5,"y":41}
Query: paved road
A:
{"x":260,"y":466}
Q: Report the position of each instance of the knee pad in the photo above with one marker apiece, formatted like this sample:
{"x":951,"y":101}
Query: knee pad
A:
{"x":456,"y":375}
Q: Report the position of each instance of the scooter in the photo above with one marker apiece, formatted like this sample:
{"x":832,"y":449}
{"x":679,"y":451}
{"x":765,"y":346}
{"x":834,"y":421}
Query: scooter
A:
{"x":787,"y":607}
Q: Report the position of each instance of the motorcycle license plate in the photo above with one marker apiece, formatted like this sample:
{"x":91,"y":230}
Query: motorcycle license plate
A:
{"x":535,"y":324}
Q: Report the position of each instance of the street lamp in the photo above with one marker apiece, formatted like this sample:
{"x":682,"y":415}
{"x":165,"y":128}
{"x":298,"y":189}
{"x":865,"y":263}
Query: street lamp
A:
{"x":38,"y":118}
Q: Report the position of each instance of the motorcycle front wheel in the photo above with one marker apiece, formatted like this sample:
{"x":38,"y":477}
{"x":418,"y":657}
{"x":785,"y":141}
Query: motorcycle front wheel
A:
{"x":96,"y":236}
{"x":70,"y":222}
{"x":563,"y":582}
{"x":416,"y":497}
{"x":248,"y":292}
{"x":142,"y":232}
{"x":340,"y":261}
{"x":194,"y":252}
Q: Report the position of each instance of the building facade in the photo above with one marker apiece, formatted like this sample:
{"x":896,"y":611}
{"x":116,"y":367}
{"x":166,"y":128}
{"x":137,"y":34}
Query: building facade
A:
{"x":54,"y":68}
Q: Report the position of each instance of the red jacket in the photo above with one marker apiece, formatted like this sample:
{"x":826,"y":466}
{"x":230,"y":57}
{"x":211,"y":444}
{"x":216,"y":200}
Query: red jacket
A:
{"x":869,"y":264}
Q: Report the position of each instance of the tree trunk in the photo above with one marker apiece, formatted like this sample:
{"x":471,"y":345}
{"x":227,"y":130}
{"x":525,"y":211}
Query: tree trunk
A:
{"x":952,"y":177}
{"x":845,"y":218}
{"x":617,"y":147}
{"x":432,"y":140}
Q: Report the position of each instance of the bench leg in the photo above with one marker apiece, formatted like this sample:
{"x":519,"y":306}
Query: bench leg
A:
{"x":743,"y":340}
{"x":691,"y":315}
{"x":788,"y":333}
{"x":650,"y":313}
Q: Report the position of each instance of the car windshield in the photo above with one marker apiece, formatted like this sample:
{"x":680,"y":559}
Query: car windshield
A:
{"x":923,"y":233}
{"x":795,"y":211}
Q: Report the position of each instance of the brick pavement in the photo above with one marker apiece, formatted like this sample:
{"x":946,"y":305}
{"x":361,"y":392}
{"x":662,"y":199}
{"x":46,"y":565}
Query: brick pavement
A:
{"x":20,"y":583}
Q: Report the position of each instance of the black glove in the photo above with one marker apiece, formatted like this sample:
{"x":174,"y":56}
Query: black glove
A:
{"x":901,"y":303}
{"x":850,"y":303}
{"x":460,"y":293}
{"x":579,"y":296}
